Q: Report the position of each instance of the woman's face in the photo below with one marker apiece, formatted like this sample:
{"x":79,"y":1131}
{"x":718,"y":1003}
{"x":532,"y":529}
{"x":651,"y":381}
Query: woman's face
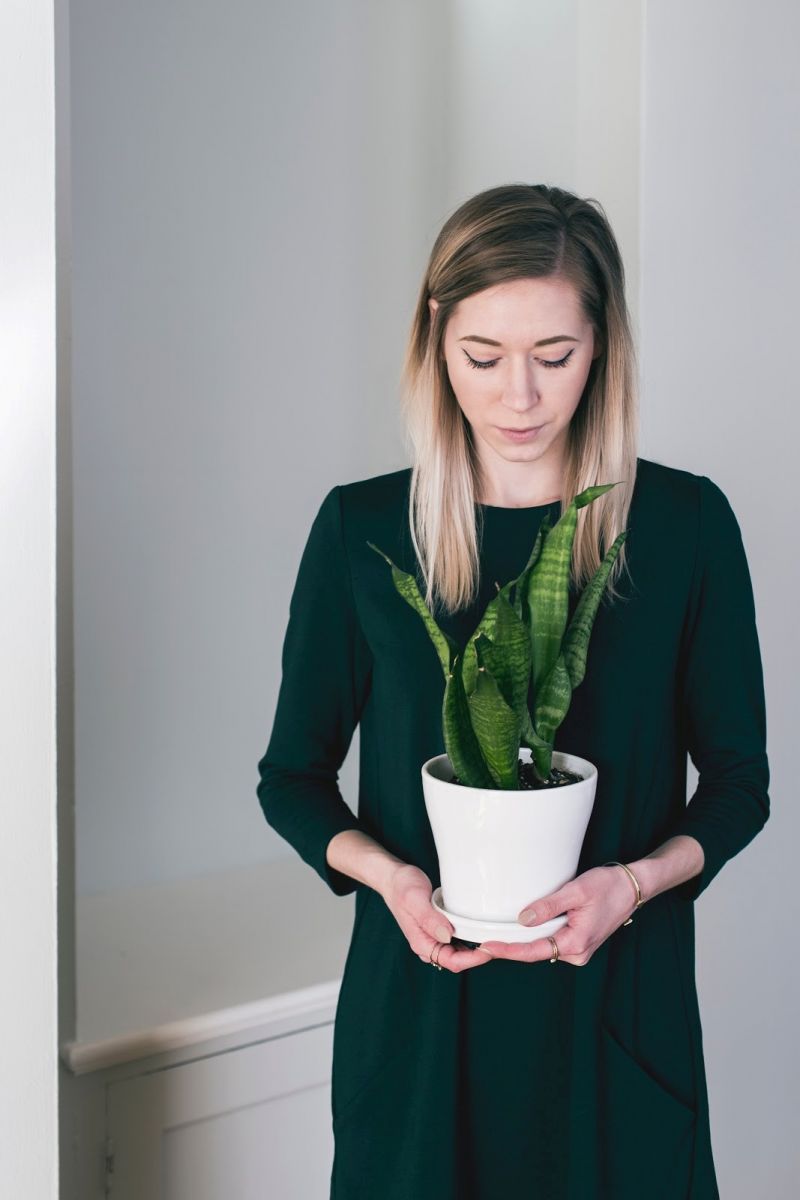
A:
{"x":504,"y":377}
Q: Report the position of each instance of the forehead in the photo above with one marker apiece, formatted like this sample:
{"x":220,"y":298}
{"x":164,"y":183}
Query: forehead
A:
{"x":522,"y":307}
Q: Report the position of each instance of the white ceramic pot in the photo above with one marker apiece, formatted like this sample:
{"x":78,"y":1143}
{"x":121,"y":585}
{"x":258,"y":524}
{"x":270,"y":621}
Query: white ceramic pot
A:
{"x":499,"y":850}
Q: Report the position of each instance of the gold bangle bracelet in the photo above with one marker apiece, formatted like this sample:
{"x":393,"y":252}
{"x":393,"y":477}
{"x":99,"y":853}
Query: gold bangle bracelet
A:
{"x":639,"y":899}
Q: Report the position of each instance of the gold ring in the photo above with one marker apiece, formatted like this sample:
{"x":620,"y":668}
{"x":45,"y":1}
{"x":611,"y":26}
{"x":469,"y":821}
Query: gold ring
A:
{"x":554,"y":943}
{"x":438,"y":948}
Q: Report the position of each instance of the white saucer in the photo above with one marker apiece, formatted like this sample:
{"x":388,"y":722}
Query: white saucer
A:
{"x":496,"y":931}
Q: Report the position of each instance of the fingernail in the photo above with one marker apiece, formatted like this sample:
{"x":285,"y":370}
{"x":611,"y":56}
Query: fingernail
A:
{"x":443,"y":934}
{"x":528,"y":917}
{"x":484,"y":951}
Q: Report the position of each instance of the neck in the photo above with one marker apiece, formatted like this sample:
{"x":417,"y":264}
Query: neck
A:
{"x":520,"y":484}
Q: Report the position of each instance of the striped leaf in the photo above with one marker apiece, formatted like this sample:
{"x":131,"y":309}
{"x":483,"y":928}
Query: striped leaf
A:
{"x":521,"y":592}
{"x":530,"y":737}
{"x":406,"y":585}
{"x":460,"y":741}
{"x":486,"y":625}
{"x":541,"y":749}
{"x":488,"y":621}
{"x":508,"y":656}
{"x":497,"y":728}
{"x":576,"y":639}
{"x":548,"y":586}
{"x":552,"y":701}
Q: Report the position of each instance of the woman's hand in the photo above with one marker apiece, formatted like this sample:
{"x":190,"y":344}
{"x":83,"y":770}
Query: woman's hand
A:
{"x":596,"y":902}
{"x":408,"y":893}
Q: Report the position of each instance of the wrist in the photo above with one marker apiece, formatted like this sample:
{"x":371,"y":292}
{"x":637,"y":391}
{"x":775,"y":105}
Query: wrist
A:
{"x":385,"y":870}
{"x":647,"y":876}
{"x":355,"y":853}
{"x":677,"y":859}
{"x":633,"y":882}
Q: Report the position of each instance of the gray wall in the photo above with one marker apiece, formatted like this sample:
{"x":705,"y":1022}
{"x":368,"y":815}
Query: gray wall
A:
{"x":253,"y":190}
{"x":720,"y":263}
{"x":256,"y":190}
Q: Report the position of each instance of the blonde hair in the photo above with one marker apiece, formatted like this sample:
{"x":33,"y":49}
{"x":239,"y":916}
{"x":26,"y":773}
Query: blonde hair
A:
{"x":510,"y":232}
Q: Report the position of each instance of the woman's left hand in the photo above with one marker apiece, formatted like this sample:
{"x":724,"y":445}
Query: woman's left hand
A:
{"x":597,"y":903}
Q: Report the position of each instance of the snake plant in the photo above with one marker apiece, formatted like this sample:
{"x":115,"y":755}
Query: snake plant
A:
{"x":521,"y":647}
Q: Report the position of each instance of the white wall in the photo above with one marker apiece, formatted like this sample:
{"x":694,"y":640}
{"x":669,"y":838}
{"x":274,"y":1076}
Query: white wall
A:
{"x":549,"y":93}
{"x":256,"y":189}
{"x":721,"y":259}
{"x":255,"y":192}
{"x":246,"y":179}
{"x":28,"y":995}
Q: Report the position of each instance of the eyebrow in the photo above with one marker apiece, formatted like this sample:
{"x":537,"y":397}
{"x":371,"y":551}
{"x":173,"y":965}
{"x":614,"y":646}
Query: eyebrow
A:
{"x":559,"y":337}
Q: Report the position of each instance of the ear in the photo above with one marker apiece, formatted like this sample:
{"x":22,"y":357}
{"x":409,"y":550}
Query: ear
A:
{"x":432,"y":305}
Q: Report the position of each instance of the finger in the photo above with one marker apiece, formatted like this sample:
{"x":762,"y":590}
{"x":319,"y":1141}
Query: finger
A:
{"x":452,"y":958}
{"x":521,"y":951}
{"x":420,"y":908}
{"x":569,"y":896}
{"x":433,"y":929}
{"x":426,"y":947}
{"x":539,"y":950}
{"x":457,"y":958}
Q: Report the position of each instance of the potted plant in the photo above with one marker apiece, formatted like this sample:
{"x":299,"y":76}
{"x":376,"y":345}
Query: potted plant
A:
{"x":508,"y":812}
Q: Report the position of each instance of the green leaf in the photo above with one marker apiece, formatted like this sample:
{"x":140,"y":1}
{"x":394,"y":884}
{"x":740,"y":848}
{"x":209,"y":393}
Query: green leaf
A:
{"x":541,"y":748}
{"x":591,"y":493}
{"x":576,"y":639}
{"x":508,"y":655}
{"x":520,"y":595}
{"x":552,"y":700}
{"x":460,"y":741}
{"x":497,"y":729}
{"x":543,"y":760}
{"x":530,"y":737}
{"x":489,"y":619}
{"x":548,"y":586}
{"x":486,"y":625}
{"x":406,"y":585}
{"x":548,"y":595}
{"x":552,"y":703}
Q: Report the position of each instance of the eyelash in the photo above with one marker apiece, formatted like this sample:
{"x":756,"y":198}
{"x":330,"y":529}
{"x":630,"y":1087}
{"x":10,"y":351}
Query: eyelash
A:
{"x":482,"y":366}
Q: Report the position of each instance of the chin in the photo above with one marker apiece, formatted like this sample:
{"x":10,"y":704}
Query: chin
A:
{"x":522,"y":452}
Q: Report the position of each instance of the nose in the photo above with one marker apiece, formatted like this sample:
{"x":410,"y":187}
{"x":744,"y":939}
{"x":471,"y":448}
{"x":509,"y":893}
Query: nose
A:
{"x":522,"y":392}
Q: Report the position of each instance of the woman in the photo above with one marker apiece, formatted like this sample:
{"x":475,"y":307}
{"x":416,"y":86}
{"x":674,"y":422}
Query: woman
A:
{"x":496,"y":1077}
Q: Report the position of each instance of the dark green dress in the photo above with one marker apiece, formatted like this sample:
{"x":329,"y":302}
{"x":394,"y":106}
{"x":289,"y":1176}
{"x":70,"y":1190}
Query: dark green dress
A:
{"x":525,"y":1081}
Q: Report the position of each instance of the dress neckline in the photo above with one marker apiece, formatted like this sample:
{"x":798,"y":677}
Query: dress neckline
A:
{"x":524,"y":508}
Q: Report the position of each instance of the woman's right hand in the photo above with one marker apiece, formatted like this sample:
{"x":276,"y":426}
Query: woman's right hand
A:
{"x":408,"y":892}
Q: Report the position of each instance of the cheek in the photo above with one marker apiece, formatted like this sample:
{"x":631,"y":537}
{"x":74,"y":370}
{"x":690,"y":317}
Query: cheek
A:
{"x":472,"y":394}
{"x":569,"y":389}
{"x":472,"y":407}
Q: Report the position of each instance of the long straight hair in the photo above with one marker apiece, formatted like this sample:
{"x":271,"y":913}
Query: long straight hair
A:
{"x":518,"y":231}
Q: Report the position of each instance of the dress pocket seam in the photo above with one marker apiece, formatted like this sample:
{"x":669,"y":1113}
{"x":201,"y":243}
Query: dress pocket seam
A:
{"x":690,"y":1111}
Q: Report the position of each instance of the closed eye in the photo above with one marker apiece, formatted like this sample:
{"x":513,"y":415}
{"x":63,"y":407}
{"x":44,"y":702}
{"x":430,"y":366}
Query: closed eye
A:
{"x":482,"y":366}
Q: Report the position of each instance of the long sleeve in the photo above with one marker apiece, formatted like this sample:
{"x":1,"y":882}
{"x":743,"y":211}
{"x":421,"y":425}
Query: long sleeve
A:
{"x":326,"y":677}
{"x":722,"y":698}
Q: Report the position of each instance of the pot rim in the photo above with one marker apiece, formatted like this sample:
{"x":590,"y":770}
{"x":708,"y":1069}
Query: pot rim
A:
{"x":579,"y":763}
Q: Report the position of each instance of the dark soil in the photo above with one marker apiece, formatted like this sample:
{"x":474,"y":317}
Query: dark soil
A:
{"x":530,"y":781}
